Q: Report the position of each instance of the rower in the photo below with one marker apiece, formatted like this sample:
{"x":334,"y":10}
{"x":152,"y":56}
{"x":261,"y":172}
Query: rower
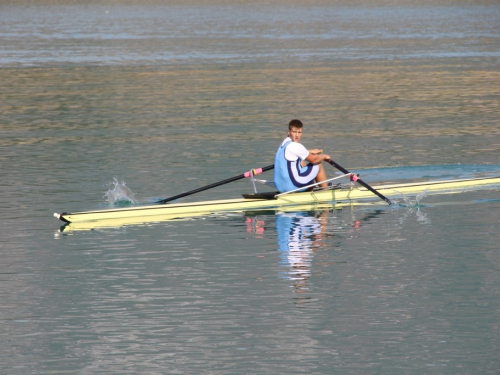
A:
{"x":294,"y":165}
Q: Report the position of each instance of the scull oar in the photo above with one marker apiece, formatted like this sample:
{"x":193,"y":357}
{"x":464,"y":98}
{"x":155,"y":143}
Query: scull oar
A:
{"x":251,"y":173}
{"x":355,"y":178}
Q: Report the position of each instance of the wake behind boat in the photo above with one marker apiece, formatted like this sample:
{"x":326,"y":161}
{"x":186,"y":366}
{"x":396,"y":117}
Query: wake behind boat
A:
{"x":343,"y":194}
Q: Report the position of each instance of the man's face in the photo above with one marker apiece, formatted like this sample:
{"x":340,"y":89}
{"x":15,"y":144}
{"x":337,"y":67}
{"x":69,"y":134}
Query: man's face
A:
{"x":295,"y":134}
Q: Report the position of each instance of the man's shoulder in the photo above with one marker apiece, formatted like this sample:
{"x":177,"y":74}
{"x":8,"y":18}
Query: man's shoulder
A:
{"x":295,"y":151}
{"x":296,"y":146}
{"x":285,"y":141}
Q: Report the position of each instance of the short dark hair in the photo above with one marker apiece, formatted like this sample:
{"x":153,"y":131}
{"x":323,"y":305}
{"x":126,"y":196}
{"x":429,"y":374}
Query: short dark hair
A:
{"x":295,"y":123}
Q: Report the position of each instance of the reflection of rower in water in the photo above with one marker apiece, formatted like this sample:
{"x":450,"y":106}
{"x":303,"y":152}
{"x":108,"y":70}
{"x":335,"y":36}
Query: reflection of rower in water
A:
{"x":299,"y":233}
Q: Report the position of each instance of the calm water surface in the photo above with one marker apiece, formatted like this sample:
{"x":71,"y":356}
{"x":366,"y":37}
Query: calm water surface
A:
{"x":170,"y":97}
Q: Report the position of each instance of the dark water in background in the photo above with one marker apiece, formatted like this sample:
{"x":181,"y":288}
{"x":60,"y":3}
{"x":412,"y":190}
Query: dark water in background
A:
{"x":171,"y":96}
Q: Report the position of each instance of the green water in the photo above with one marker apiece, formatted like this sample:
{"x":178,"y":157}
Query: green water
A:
{"x":171,"y":97}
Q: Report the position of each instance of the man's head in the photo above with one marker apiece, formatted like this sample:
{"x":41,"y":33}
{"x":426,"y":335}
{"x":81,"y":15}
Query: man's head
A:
{"x":296,"y":124}
{"x":295,"y":130}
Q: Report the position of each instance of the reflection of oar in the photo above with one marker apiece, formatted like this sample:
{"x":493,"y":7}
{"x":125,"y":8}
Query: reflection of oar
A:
{"x":239,"y":177}
{"x":359,"y":181}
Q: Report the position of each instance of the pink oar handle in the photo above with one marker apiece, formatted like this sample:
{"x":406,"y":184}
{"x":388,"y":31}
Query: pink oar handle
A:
{"x":254,"y":171}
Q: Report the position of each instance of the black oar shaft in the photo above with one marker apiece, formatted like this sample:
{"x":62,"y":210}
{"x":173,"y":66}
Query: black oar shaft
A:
{"x":215,"y":184}
{"x":360,"y":181}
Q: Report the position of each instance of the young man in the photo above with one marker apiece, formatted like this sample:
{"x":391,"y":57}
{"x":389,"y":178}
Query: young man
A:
{"x":294,"y":165}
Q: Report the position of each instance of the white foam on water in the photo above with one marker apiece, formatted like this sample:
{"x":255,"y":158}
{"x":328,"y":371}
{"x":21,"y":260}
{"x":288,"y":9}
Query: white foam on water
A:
{"x":119,"y":194}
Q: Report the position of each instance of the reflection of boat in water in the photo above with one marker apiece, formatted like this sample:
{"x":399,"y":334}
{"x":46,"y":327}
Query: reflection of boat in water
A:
{"x":305,"y":235}
{"x":299,"y":234}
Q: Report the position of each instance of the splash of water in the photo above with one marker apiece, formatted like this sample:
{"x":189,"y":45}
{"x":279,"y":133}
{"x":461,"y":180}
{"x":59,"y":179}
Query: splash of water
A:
{"x":412,"y":202}
{"x":120,"y":194}
{"x":413,"y":208}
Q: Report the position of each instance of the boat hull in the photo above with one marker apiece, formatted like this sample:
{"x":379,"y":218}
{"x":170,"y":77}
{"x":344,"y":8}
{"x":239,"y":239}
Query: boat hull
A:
{"x":163,"y":212}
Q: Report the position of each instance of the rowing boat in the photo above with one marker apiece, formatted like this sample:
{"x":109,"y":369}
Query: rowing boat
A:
{"x":266,"y":201}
